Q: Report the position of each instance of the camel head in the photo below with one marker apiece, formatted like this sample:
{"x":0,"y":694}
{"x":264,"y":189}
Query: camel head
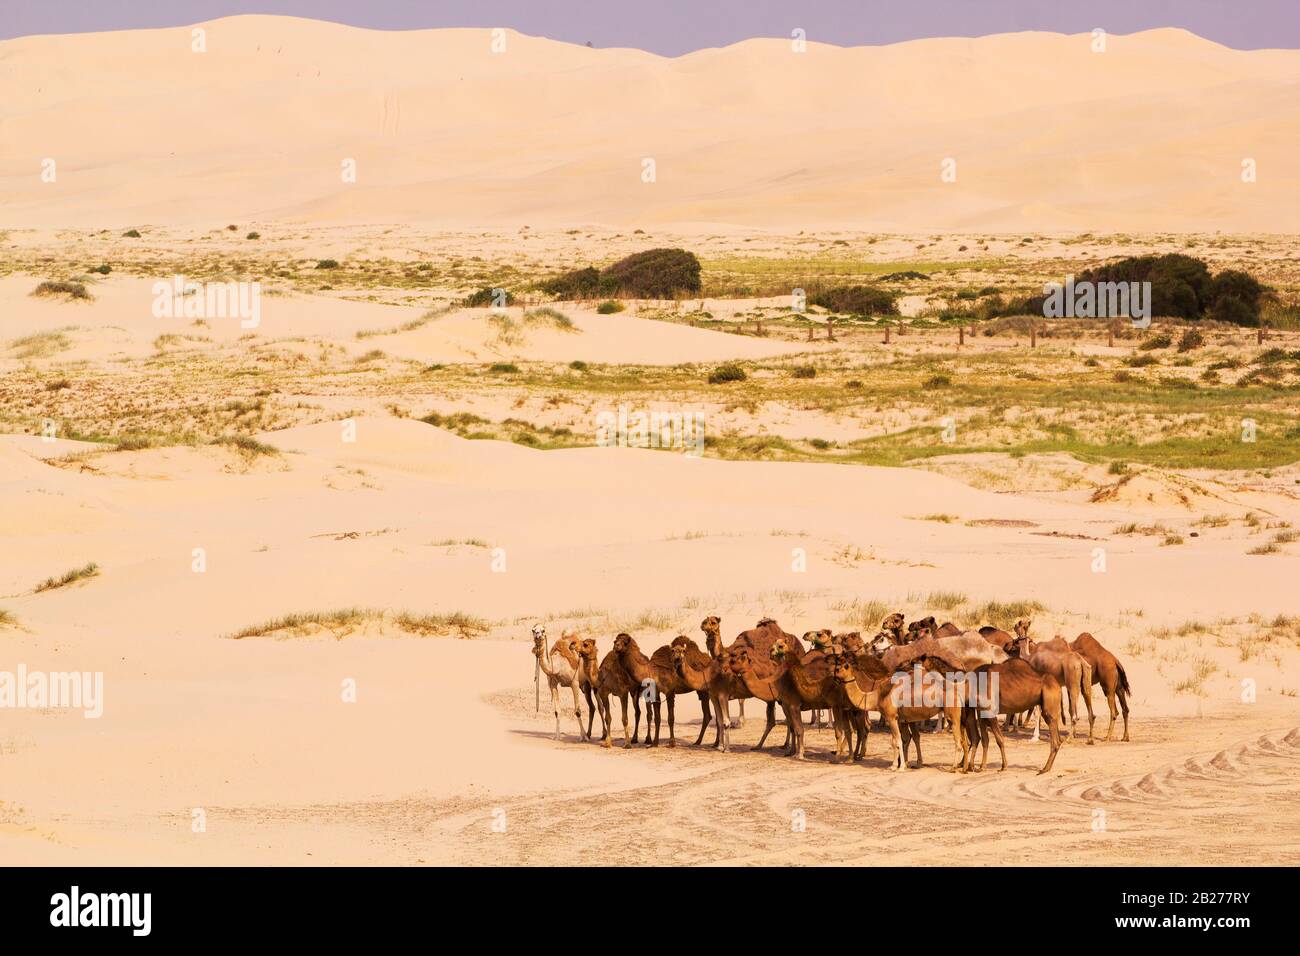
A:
{"x":711,"y":624}
{"x":679,"y":657}
{"x":737,"y":661}
{"x":841,"y":669}
{"x":851,"y":642}
{"x":622,"y":643}
{"x":539,"y":638}
{"x":587,"y":649}
{"x":893,"y":624}
{"x":820,"y":640}
{"x":1022,"y":627}
{"x":923,"y":628}
{"x":879,"y":644}
{"x":780,"y":650}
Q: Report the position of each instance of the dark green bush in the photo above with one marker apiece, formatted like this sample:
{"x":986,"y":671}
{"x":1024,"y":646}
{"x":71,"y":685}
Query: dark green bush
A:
{"x":653,"y":274}
{"x":856,"y":300}
{"x":103,"y":270}
{"x":131,"y":234}
{"x":727,"y":373}
{"x":805,"y":371}
{"x":609,"y":307}
{"x":327,"y":264}
{"x":485,"y":298}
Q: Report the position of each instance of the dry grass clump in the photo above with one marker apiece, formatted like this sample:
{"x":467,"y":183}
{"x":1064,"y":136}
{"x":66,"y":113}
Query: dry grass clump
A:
{"x":345,"y":621}
{"x":88,"y":570}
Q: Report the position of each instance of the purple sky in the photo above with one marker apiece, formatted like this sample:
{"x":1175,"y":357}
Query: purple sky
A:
{"x":672,"y":27}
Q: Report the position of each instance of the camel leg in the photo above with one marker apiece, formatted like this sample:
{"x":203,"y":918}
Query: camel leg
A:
{"x":721,"y":735}
{"x":1054,"y":735}
{"x":767,"y":729}
{"x":636,"y":728}
{"x":1114,"y":711}
{"x":920,"y":761}
{"x":795,"y":716}
{"x":862,"y":724}
{"x":1038,"y":722}
{"x":905,"y":734}
{"x":896,"y":741}
{"x":704,"y":722}
{"x":1002,"y":745}
{"x":1085,"y":688}
{"x":740,"y":721}
{"x":577,"y":709}
{"x":591,"y":710}
{"x":957,"y":725}
{"x":672,"y":737}
{"x":1123,"y":702}
{"x":603,"y":700}
{"x":555,"y":706}
{"x":657,"y":705}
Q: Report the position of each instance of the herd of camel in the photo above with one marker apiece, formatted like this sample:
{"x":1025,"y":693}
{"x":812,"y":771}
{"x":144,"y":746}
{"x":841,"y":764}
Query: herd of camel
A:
{"x":848,"y":677}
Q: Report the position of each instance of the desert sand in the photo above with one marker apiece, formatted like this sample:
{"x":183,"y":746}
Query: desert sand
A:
{"x":418,"y":480}
{"x":1149,"y":135}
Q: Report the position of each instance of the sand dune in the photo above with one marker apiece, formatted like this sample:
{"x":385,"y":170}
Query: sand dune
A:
{"x":443,"y":734}
{"x":1047,"y":134}
{"x":119,"y":323}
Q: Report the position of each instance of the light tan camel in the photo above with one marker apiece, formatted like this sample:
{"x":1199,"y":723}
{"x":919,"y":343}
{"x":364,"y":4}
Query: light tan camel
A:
{"x":1070,"y":668}
{"x":1109,"y":672}
{"x":1014,"y":687}
{"x":712,"y":628}
{"x":561,"y":667}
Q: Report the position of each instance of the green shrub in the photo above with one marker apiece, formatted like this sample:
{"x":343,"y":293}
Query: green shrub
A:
{"x":253,"y":235}
{"x":609,"y":307}
{"x":73,"y":290}
{"x":653,"y":274}
{"x":578,"y":365}
{"x":804,"y":371}
{"x":730,"y":372}
{"x":1191,"y":339}
{"x":327,"y":264}
{"x":856,"y":300}
{"x":1161,"y":341}
{"x":486,"y":298}
{"x":103,"y":270}
{"x":508,"y":368}
{"x":131,"y":234}
{"x":905,"y":276}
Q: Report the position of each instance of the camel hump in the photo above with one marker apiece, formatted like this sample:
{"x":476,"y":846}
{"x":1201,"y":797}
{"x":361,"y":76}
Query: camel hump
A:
{"x":663,"y":656}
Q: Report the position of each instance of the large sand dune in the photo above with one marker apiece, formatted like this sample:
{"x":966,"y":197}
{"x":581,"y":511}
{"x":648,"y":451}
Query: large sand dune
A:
{"x":1047,"y":134}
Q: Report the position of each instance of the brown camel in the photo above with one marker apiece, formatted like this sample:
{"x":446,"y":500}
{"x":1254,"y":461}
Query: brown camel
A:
{"x":700,"y":662}
{"x":904,"y":700}
{"x":561,"y":667}
{"x":657,"y":679}
{"x":1069,"y":667}
{"x":712,"y":628}
{"x":589,"y":677}
{"x":998,"y":637}
{"x":803,"y":682}
{"x":613,"y":679}
{"x":891,"y":628}
{"x":1109,"y":672}
{"x":713,"y":676}
{"x":1018,"y":688}
{"x":757,"y":639}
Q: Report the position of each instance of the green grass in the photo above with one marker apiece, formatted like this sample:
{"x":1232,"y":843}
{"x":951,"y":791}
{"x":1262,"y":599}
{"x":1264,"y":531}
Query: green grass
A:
{"x":88,"y":570}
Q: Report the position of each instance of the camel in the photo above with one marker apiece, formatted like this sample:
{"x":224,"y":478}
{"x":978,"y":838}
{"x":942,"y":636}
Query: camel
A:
{"x":699,"y":661}
{"x":903,"y":701}
{"x":1070,"y":668}
{"x":1109,"y":672}
{"x":713,"y":676}
{"x":1019,"y":688}
{"x":589,"y":677}
{"x":657,"y":678}
{"x":998,"y":637}
{"x":712,"y":628}
{"x":891,"y":628}
{"x":612,"y":678}
{"x":561,"y":667}
{"x":759,"y":640}
{"x":963,"y":652}
{"x":803,"y":682}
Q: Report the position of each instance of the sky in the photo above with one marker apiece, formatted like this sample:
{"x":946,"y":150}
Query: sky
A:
{"x":673,"y":27}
